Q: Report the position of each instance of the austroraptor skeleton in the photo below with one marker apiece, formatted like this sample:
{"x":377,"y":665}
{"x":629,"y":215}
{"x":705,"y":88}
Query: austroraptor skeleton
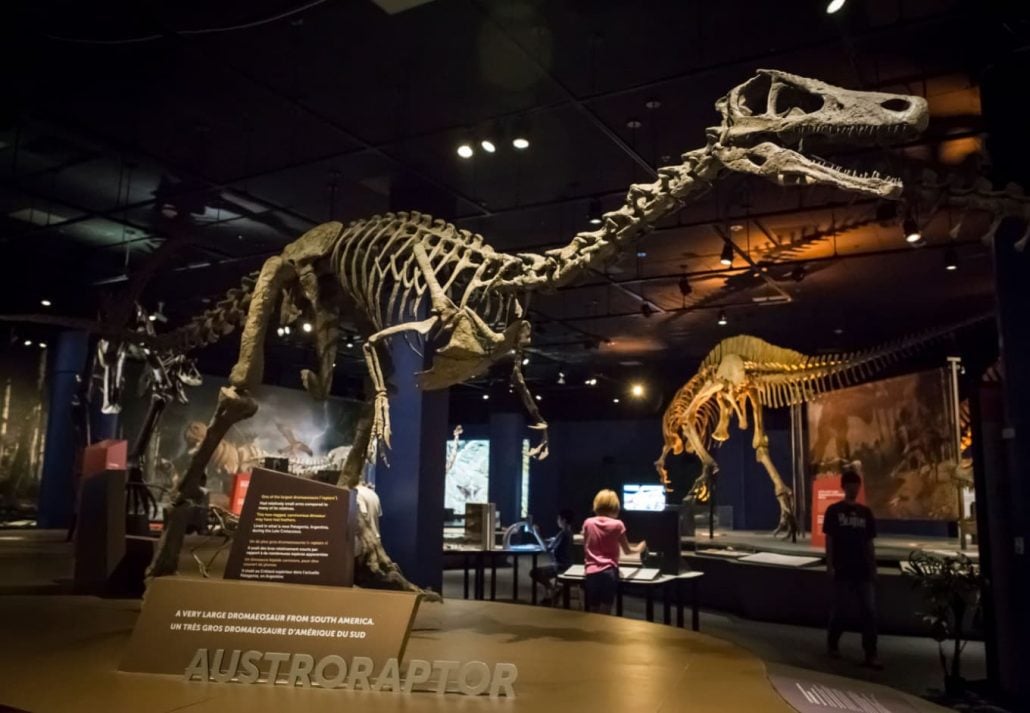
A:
{"x":745,"y":370}
{"x":407,"y":273}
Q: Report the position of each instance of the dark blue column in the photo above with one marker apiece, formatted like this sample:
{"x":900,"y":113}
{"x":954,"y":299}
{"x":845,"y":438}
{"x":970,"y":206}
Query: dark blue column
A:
{"x":56,"y":489}
{"x":412,"y":487}
{"x":1012,"y":554}
{"x":507,"y":430}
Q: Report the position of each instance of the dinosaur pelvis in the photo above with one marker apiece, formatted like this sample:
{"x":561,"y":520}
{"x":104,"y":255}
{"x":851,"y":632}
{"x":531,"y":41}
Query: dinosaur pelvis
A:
{"x":470,"y":350}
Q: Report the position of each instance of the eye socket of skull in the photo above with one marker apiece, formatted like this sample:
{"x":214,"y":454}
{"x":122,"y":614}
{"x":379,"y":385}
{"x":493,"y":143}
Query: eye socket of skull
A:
{"x":753,"y":97}
{"x":766,"y":94}
{"x":790,"y":99}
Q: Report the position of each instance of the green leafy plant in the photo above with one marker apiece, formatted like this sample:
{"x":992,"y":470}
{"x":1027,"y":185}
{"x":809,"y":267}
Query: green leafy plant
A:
{"x":951,"y":587}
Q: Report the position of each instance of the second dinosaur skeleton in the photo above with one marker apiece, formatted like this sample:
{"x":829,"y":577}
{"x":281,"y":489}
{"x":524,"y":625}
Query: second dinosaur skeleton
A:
{"x":405,"y":274}
{"x":744,"y":371}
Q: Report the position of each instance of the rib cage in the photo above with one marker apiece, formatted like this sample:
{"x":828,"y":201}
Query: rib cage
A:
{"x":377,"y":268}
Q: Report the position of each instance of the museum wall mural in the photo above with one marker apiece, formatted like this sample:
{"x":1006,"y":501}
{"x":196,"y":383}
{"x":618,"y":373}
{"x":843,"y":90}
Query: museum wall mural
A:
{"x":313,"y":435}
{"x":902,"y":431}
{"x":22,"y":425}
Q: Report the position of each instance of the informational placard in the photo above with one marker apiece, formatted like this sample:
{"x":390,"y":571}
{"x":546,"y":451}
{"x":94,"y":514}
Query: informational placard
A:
{"x":826,"y":491}
{"x":294,"y":530}
{"x":811,"y":696}
{"x":264,"y":628}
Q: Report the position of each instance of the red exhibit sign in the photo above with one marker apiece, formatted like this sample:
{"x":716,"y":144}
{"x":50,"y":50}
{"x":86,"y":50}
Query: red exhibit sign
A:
{"x":826,"y":491}
{"x":240,"y":484}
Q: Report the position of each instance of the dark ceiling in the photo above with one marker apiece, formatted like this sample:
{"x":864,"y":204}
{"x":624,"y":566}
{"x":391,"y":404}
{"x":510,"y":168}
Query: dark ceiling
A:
{"x":228,"y":129}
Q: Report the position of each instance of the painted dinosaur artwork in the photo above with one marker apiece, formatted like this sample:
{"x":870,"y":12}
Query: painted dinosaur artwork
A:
{"x":745,"y":371}
{"x":412,"y":275}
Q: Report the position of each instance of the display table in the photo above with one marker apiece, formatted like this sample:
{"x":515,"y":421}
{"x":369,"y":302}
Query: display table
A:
{"x":477,"y":558}
{"x":670,"y":586}
{"x":61,"y":655}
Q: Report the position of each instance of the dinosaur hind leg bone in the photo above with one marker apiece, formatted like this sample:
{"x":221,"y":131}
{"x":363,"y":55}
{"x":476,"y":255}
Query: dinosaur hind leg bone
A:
{"x":234,"y":405}
{"x":787,"y":525}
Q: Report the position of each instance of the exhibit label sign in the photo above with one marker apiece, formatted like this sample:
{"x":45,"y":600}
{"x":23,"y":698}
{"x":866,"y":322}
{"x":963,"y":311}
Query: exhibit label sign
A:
{"x":183,"y":616}
{"x":807,"y":696}
{"x":275,"y":634}
{"x":294,"y":530}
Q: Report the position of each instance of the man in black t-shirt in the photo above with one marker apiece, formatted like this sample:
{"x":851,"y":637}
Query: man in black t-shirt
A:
{"x":851,"y":561}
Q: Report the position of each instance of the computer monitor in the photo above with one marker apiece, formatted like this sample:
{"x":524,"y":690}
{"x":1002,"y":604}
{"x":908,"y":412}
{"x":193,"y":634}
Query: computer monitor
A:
{"x":643,"y":497}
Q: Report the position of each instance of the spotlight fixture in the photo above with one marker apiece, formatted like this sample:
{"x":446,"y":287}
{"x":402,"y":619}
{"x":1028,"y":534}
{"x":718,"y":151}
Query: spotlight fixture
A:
{"x":911,"y":230}
{"x":615,"y":400}
{"x":42,"y":345}
{"x":45,"y":303}
{"x":726,"y":258}
{"x":722,"y":319}
{"x":306,"y":327}
{"x":520,"y":142}
{"x":736,"y":227}
{"x":152,"y":317}
{"x":646,"y":309}
{"x":286,"y":329}
{"x":834,"y":6}
{"x":637,"y":390}
{"x":519,"y":135}
{"x":538,"y":397}
{"x":594,"y":211}
{"x":592,"y":381}
{"x":525,"y":361}
{"x":486,"y":397}
{"x":950,"y":259}
{"x":28,"y":342}
{"x":561,"y":378}
{"x":684,"y":285}
{"x":488,"y":145}
{"x":465,"y":150}
{"x":280,"y":331}
{"x":349,"y":343}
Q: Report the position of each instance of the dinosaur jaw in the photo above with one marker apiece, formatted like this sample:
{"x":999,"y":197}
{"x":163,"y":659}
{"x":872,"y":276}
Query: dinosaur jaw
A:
{"x":787,"y":167}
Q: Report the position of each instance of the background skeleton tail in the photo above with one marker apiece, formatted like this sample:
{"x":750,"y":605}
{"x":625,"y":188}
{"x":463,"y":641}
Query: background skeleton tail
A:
{"x":214,"y":323}
{"x":794,"y":382}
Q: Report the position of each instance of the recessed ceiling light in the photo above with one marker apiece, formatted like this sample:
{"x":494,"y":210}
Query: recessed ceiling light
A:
{"x":486,"y":397}
{"x":45,"y":303}
{"x":736,"y":227}
{"x":615,"y":400}
{"x":306,"y":326}
{"x":28,"y":342}
{"x":488,"y":145}
{"x":520,"y":142}
{"x":834,"y":6}
{"x":465,"y":151}
{"x":911,"y":230}
{"x":637,"y":390}
{"x":722,"y":319}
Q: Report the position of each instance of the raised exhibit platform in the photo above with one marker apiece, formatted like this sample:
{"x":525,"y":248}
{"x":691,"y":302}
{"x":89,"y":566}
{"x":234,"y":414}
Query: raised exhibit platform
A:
{"x":61,"y":653}
{"x":792,"y":586}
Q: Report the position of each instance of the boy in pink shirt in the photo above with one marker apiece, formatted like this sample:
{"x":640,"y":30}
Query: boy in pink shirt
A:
{"x":604,"y":538}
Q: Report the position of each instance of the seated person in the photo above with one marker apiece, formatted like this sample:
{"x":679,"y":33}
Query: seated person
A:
{"x":560,"y":549}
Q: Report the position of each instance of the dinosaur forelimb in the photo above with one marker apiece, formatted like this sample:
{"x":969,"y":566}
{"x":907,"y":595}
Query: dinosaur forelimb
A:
{"x":519,"y":382}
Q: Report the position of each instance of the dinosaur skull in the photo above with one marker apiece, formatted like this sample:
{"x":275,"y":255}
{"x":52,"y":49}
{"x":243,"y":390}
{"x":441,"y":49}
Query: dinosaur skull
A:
{"x":771,"y":120}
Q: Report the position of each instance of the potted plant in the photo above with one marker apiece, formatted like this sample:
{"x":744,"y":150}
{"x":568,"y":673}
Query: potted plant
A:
{"x":951,"y":587}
